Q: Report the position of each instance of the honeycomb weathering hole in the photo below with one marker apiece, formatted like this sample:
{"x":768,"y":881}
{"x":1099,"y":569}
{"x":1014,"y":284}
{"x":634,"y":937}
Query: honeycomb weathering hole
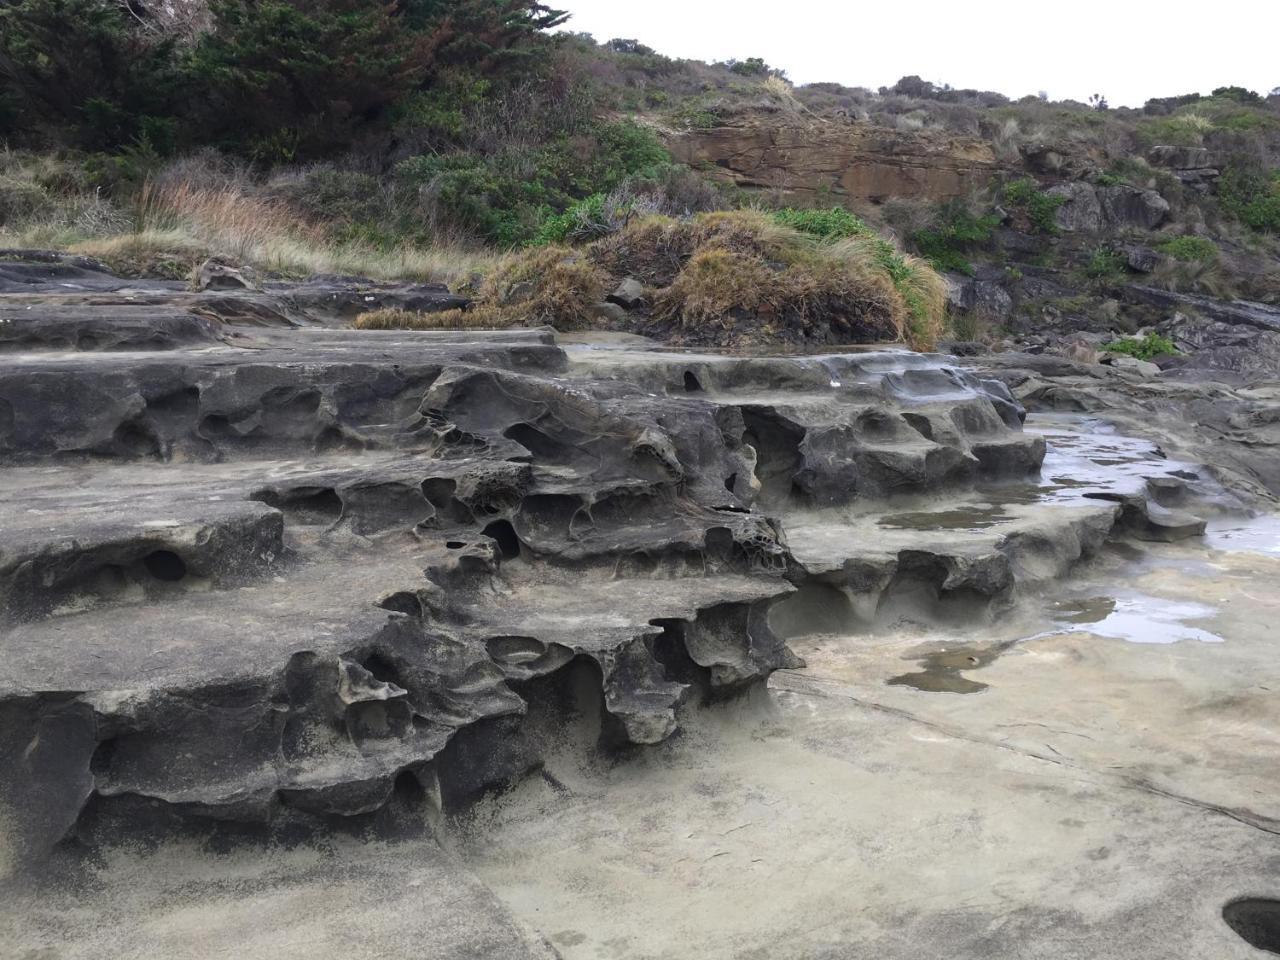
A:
{"x":165,"y":565}
{"x":504,"y":535}
{"x":1256,"y":920}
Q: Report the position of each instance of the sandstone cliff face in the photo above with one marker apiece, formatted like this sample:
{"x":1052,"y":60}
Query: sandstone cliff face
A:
{"x":840,"y":159}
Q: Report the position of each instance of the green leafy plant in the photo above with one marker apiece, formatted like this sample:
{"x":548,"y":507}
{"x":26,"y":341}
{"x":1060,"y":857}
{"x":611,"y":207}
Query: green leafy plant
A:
{"x":1252,"y":196}
{"x":914,"y":282}
{"x":1038,"y":207}
{"x":585,"y":220}
{"x":831,"y":224}
{"x":954,"y":231}
{"x":1105,"y":265}
{"x":1144,"y":348}
{"x":1190,"y":249}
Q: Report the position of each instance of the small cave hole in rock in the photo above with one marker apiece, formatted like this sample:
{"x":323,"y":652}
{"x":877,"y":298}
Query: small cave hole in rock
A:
{"x":165,"y":565}
{"x":408,"y":789}
{"x":730,"y":481}
{"x":540,"y":444}
{"x":691,"y":383}
{"x":814,"y":608}
{"x":1256,"y":920}
{"x":455,"y":544}
{"x":136,"y":438}
{"x":383,"y":669}
{"x":776,"y":442}
{"x":502,"y":533}
{"x":304,"y":505}
{"x":401,"y":602}
{"x":100,"y":762}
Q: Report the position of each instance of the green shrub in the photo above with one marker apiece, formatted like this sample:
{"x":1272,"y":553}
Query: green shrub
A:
{"x":21,"y":200}
{"x":1144,"y":348}
{"x":1239,"y":94}
{"x":954,"y":232}
{"x":914,"y":282}
{"x":1190,"y":249}
{"x":834,"y":224}
{"x":1252,"y":196}
{"x":750,"y":67}
{"x":1105,"y":265}
{"x":525,"y":195}
{"x":584,"y":220}
{"x":1038,"y":207}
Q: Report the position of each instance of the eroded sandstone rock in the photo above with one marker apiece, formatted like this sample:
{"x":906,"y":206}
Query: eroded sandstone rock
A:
{"x":302,"y":573}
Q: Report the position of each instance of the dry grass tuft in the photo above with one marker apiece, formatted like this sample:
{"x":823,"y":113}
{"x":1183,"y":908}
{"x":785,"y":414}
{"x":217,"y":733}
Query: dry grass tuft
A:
{"x":547,"y":286}
{"x":716,"y":287}
{"x":552,"y":285}
{"x":265,"y":233}
{"x":729,"y":277}
{"x":190,"y":214}
{"x":394,"y":318}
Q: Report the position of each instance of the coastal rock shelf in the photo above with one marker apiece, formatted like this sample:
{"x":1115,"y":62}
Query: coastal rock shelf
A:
{"x":286,"y":575}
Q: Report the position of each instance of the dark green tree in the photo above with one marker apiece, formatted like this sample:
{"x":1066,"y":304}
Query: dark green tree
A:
{"x":84,"y":71}
{"x":291,"y":78}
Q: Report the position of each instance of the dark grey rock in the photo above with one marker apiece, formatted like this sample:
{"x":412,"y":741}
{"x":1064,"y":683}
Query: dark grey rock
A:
{"x":629,"y":294}
{"x":1091,"y":209}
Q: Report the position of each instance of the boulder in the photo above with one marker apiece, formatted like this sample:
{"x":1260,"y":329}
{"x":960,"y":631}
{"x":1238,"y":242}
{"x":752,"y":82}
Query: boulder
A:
{"x":609,"y":313}
{"x":1126,"y":206}
{"x":1142,"y":368}
{"x":987,"y":297}
{"x":1139,"y":258}
{"x":1090,"y":209}
{"x":1081,"y":211}
{"x":628,"y":294}
{"x":1179,"y":158}
{"x":217,"y":275}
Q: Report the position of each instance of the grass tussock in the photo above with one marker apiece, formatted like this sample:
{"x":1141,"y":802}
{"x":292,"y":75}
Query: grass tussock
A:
{"x":734,"y":276}
{"x":395,"y":318}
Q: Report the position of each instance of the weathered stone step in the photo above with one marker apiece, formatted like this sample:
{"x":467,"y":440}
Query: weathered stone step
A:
{"x":304,"y":692}
{"x":57,"y":558}
{"x":105,"y":327}
{"x":231,"y":401}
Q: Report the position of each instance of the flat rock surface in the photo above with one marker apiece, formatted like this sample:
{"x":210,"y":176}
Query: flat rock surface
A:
{"x":352,"y":897}
{"x":1101,"y":796}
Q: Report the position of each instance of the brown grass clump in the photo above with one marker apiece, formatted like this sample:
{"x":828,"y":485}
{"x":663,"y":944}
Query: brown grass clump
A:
{"x":655,"y":249}
{"x":394,"y":318}
{"x":716,"y":278}
{"x":551,"y":285}
{"x":716,"y":287}
{"x":744,"y":272}
{"x":823,"y":295}
{"x":547,"y":286}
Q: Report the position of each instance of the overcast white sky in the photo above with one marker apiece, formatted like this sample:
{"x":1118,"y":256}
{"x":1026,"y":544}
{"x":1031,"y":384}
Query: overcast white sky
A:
{"x":1129,"y":52}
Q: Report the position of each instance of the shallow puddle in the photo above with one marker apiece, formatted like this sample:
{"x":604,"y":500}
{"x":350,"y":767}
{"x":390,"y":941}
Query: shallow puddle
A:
{"x":975,"y":517}
{"x":942,"y":670}
{"x":1256,"y":534}
{"x":1135,"y":618}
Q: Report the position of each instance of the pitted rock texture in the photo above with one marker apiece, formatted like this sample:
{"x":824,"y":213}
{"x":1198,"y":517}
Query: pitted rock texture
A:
{"x":297,"y":574}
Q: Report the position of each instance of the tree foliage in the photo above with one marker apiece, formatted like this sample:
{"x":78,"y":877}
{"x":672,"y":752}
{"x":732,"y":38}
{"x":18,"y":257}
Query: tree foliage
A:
{"x":277,"y":79}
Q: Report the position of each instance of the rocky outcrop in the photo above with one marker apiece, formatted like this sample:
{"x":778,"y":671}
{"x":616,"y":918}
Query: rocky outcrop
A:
{"x":297,"y":576}
{"x":1091,"y":209}
{"x":270,"y":574}
{"x":837,"y":159}
{"x":1196,"y":167}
